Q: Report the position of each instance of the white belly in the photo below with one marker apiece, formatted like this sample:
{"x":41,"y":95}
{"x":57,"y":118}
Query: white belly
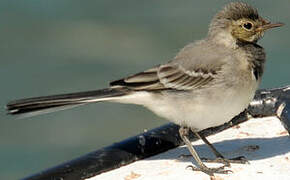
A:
{"x":198,"y":109}
{"x":200,"y":112}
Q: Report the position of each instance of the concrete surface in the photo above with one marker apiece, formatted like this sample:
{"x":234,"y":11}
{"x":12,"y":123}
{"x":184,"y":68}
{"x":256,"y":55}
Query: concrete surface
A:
{"x":263,"y":141}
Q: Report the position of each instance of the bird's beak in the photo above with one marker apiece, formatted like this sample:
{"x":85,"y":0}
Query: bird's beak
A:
{"x":269,"y":26}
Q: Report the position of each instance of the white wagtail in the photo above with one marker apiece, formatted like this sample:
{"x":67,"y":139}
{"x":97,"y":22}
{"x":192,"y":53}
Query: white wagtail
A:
{"x":205,"y":85}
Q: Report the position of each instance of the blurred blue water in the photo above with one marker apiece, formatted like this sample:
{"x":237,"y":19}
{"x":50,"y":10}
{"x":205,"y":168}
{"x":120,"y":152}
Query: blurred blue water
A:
{"x":50,"y":47}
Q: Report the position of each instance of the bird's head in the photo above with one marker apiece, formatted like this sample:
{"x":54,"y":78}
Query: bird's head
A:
{"x":240,"y":21}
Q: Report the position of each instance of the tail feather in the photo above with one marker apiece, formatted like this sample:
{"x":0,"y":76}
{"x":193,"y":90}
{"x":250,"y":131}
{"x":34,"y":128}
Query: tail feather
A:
{"x":63,"y":101}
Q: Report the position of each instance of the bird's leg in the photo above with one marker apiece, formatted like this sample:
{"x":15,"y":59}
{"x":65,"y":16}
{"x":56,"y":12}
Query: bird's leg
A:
{"x":219,"y":157}
{"x":183,"y":132}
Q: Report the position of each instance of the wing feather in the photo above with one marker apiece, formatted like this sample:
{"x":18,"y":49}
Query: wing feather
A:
{"x":142,"y":77}
{"x":167,"y":77}
{"x":188,"y":80}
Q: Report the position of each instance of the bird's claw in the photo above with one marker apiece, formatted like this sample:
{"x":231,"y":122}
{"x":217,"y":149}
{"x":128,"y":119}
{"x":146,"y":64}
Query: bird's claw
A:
{"x":210,"y":171}
{"x":226,"y":162}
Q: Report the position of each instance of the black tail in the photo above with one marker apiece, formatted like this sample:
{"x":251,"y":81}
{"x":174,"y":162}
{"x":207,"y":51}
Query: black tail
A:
{"x":62,"y":101}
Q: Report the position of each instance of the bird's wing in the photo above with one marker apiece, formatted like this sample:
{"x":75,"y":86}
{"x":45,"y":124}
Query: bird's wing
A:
{"x":169,"y":76}
{"x":146,"y":80}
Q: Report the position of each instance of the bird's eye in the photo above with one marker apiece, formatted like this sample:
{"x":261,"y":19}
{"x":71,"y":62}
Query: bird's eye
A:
{"x":248,"y":26}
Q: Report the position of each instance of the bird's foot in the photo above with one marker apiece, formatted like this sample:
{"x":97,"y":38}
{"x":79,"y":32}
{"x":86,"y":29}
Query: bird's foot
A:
{"x":210,"y":171}
{"x":226,"y":162}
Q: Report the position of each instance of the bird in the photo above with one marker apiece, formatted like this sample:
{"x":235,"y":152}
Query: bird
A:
{"x":206,"y":84}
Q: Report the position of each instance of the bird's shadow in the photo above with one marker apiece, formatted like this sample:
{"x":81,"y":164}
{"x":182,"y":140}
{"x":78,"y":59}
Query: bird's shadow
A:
{"x":251,"y":148}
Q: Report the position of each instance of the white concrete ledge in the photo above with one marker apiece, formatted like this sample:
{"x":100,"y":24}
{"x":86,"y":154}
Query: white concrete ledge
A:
{"x":263,"y":141}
